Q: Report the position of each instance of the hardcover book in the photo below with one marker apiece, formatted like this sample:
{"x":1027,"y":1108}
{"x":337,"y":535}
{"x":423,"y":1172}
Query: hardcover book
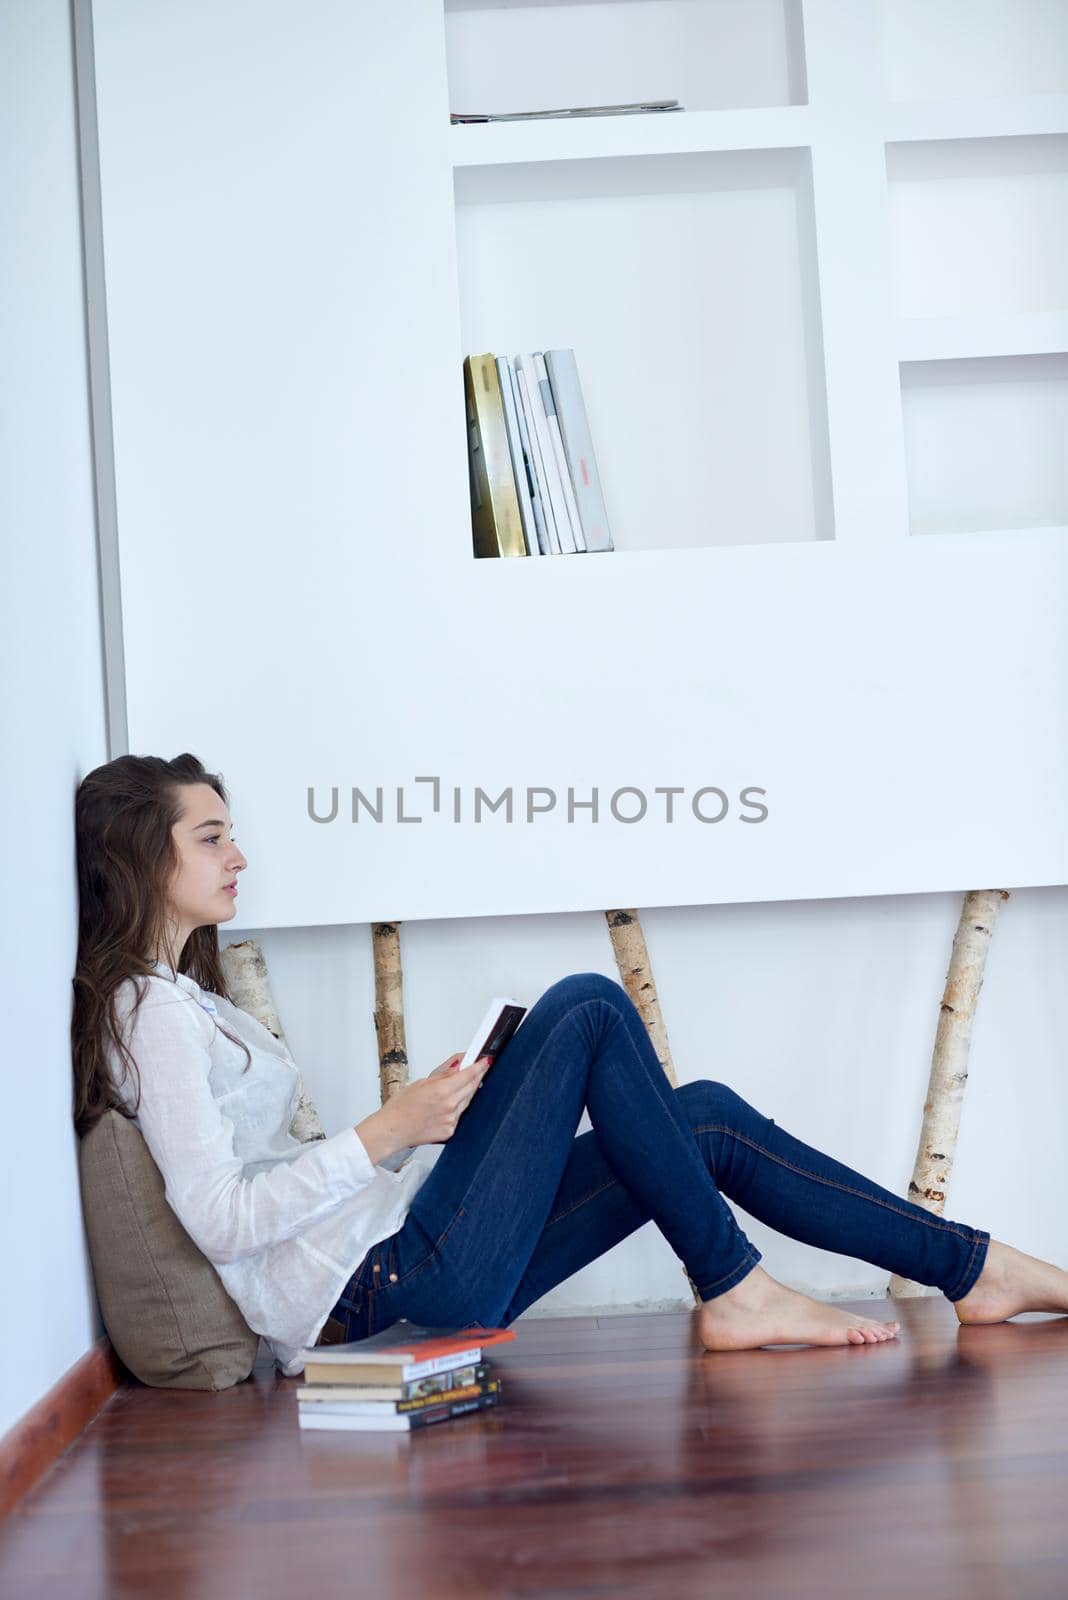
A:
{"x":495,"y":516}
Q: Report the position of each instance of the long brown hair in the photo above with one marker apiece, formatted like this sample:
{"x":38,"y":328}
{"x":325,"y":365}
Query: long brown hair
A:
{"x":123,"y":816}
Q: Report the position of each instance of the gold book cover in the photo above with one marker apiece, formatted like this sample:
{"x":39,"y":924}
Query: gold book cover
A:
{"x":495,"y":516}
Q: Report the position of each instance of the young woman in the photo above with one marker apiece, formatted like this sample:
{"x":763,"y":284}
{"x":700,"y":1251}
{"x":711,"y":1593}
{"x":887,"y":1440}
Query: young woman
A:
{"x":468,"y":1195}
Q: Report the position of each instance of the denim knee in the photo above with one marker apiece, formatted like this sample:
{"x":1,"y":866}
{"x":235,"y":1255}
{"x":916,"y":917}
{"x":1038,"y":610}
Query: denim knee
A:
{"x":578,"y":986}
{"x":706,"y":1102}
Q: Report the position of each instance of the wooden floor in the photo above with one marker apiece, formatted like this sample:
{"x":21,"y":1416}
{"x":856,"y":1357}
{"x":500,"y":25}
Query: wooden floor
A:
{"x":622,"y":1461}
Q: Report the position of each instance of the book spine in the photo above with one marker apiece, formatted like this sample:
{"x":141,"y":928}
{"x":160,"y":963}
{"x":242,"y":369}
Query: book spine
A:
{"x":544,"y":544}
{"x":393,"y":1423}
{"x":528,"y":366}
{"x":355,"y":1371}
{"x":515,"y":448}
{"x":313,"y":1417}
{"x":539,"y":465}
{"x":392,"y":1408}
{"x":419,"y":1389}
{"x":451,"y":1378}
{"x":433,"y":1364}
{"x":471,"y":1392}
{"x":496,"y":520}
{"x":578,"y":447}
{"x":545,"y":388}
{"x":423,"y":1419}
{"x":481,"y":505}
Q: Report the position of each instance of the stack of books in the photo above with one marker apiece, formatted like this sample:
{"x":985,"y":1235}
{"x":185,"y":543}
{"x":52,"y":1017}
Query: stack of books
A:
{"x":405,"y":1377}
{"x":535,"y":488}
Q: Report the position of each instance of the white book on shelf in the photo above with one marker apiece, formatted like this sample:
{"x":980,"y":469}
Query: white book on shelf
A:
{"x":537,"y":461}
{"x":546,"y":390}
{"x":544,"y":543}
{"x":578,"y":446}
{"x":515,"y":450}
{"x":529,"y":368}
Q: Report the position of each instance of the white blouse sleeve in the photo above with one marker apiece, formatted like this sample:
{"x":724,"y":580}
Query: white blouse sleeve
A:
{"x":191,"y":1141}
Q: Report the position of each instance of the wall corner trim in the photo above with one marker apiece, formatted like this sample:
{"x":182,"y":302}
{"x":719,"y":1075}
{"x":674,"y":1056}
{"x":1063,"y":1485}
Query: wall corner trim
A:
{"x":37,"y":1440}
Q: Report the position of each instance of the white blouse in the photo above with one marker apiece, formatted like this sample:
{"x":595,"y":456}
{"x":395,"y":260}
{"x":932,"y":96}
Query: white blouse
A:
{"x":284,"y":1223}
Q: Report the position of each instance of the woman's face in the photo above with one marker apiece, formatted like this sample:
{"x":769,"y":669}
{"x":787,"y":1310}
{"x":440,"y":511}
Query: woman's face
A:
{"x":203,"y":888}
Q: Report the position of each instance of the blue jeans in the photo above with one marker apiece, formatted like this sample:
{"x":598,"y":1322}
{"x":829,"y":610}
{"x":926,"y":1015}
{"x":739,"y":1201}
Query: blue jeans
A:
{"x":517,"y":1203}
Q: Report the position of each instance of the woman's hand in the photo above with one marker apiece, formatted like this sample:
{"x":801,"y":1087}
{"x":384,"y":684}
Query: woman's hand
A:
{"x":447,"y":1066}
{"x":425,"y":1111}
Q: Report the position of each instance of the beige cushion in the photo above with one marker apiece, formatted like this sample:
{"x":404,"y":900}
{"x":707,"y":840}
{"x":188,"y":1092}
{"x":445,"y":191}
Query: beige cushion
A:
{"x":163,"y":1303}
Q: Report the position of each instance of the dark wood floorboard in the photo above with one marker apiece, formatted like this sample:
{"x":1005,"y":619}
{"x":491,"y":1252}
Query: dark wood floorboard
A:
{"x":622,"y":1461}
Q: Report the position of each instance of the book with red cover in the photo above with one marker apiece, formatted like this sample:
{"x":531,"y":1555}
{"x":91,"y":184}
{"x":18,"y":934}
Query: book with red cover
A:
{"x":404,"y":1351}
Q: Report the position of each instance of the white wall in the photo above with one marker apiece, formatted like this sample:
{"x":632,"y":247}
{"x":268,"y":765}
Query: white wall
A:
{"x":821,"y":1013}
{"x":51,"y":693}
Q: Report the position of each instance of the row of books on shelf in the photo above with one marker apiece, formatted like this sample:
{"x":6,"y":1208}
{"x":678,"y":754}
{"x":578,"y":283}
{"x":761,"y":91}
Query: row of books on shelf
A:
{"x":535,"y":488}
{"x":405,"y":1377}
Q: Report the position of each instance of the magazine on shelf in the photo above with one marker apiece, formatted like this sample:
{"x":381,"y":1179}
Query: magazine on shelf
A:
{"x":527,"y":367}
{"x":538,"y":464}
{"x":545,"y":388}
{"x":542,"y":531}
{"x":578,"y":447}
{"x":635,"y":107}
{"x":519,"y":463}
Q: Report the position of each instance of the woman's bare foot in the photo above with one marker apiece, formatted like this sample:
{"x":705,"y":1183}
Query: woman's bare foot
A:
{"x":760,"y":1311}
{"x":1010,"y":1282}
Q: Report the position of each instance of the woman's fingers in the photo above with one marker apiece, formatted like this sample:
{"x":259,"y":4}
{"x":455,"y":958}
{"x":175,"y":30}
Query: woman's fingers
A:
{"x":448,"y":1066}
{"x":452,"y":1065}
{"x":465,"y":1080}
{"x":481,"y":1067}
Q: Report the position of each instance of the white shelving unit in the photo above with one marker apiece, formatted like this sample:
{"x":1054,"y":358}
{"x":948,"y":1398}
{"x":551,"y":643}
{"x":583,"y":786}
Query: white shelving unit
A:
{"x":534,"y":55}
{"x":808,"y":333}
{"x":737,"y":210}
{"x":686,"y":285}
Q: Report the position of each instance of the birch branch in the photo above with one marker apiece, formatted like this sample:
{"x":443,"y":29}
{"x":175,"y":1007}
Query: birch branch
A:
{"x":636,"y":972}
{"x":949,"y":1063}
{"x":389,"y":1008}
{"x":245,"y":967}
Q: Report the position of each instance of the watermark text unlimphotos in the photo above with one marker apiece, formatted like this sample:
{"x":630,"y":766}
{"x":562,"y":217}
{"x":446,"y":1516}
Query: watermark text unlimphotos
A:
{"x":627,"y":804}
